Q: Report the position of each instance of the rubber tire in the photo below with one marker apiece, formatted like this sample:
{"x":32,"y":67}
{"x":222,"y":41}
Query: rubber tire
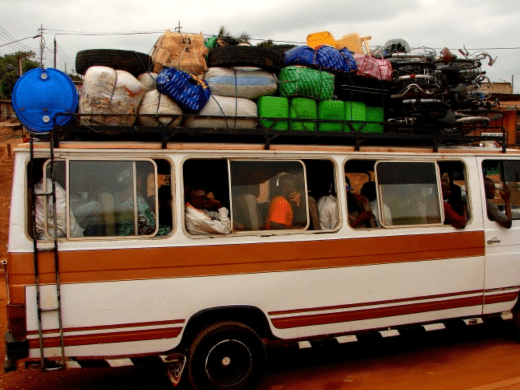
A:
{"x":209,"y":346}
{"x":259,"y":57}
{"x":131,"y":61}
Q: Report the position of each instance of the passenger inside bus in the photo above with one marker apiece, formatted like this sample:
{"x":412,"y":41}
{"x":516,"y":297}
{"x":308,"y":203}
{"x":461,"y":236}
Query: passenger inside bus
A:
{"x":84,"y":206}
{"x":44,"y":208}
{"x":368,"y":190}
{"x":328,"y":210}
{"x":451,"y":217}
{"x":360,"y":214}
{"x":165,"y":210}
{"x":199,"y":217}
{"x":281,"y":208}
{"x":504,"y":219}
{"x":125,"y":204}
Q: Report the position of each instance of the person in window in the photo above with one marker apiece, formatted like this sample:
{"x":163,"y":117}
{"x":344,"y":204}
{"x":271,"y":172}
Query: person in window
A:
{"x":359,"y":212}
{"x":451,"y":217}
{"x":199,"y":218}
{"x":328,"y":210}
{"x":145,"y":215}
{"x":369,"y":191}
{"x":84,"y":207}
{"x":42,"y":218}
{"x":494,"y":213}
{"x":280,"y":215}
{"x":165,"y":210}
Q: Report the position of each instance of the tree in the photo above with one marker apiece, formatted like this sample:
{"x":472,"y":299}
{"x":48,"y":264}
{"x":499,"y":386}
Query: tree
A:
{"x":9,"y":70}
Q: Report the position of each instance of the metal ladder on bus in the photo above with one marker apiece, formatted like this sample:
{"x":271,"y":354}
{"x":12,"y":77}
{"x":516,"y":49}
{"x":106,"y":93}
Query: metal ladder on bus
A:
{"x":46,"y":365}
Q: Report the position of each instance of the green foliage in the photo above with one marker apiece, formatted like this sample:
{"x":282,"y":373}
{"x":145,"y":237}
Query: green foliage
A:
{"x":9,"y":70}
{"x":268,"y":43}
{"x":224,"y":38}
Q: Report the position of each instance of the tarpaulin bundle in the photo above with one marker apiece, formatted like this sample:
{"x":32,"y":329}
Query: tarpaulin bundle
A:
{"x":189,"y":91}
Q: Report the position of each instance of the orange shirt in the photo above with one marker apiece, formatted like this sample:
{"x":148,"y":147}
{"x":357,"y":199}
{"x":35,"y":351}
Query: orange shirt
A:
{"x":280,"y":211}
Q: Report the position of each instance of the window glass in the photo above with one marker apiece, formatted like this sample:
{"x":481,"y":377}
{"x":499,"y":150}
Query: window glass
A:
{"x":268,"y":195}
{"x":113,"y":198}
{"x":410,"y":191}
{"x":498,"y":172}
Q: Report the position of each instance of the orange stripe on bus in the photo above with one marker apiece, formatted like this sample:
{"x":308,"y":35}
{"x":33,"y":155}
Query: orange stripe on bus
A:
{"x":204,"y":260}
{"x":107,"y":338}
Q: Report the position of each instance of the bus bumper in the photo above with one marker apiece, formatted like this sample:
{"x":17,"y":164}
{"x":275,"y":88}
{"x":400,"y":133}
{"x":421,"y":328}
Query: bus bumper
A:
{"x":14,"y":350}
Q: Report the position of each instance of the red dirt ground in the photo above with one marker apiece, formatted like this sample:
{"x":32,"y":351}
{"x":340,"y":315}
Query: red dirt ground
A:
{"x":9,"y":137}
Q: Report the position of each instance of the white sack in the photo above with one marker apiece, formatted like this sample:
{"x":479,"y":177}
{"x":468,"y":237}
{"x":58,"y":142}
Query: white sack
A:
{"x":148,"y":81}
{"x":108,"y":91}
{"x":242,"y":82}
{"x":235,"y":110}
{"x":157,"y":103}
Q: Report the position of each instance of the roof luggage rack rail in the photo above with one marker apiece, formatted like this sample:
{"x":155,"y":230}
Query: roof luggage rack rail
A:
{"x":392,"y":134}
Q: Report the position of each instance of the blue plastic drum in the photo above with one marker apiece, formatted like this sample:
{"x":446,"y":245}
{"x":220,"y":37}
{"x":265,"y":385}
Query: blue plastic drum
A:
{"x":39,"y":95}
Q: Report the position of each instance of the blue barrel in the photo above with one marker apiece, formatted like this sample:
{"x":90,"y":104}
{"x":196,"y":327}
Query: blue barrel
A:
{"x":39,"y":95}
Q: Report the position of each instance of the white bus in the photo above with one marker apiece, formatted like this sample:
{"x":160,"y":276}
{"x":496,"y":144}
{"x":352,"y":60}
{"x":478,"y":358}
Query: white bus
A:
{"x":202,"y":253}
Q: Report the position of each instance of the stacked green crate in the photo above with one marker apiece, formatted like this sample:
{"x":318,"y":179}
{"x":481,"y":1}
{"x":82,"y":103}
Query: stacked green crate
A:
{"x":303,"y":109}
{"x":331,"y":110}
{"x":273,"y":107}
{"x":355,"y":111}
{"x":374,"y":114}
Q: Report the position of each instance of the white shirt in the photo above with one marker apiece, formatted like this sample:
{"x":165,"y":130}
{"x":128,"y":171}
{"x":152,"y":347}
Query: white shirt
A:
{"x":207,"y":222}
{"x":61,"y":213}
{"x":328,"y":212}
{"x":387,"y":214}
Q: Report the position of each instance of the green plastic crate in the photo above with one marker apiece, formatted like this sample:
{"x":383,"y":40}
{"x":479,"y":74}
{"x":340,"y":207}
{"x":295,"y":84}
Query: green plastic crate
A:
{"x":355,"y":111}
{"x":374,"y":114}
{"x":273,"y":107}
{"x":303,"y":108}
{"x":331,"y":110}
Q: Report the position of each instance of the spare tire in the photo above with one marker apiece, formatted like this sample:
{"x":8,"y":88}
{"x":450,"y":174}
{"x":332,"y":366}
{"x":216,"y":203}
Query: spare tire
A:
{"x":130,"y":61}
{"x":246,"y":56}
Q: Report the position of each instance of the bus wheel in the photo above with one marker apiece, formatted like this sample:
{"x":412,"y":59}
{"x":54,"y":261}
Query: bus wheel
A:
{"x":226,"y":355}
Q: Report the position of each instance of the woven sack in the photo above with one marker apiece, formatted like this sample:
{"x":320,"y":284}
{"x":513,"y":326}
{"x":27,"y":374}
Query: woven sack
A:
{"x":306,"y":82}
{"x":244,"y":82}
{"x":164,"y":110}
{"x":322,"y":57}
{"x":371,"y":67}
{"x":108,"y":91}
{"x":186,"y":52}
{"x":226,"y":112}
{"x":188,"y":91}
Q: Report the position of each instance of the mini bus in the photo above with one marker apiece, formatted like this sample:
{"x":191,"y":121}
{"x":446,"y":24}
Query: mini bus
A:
{"x":202,"y":254}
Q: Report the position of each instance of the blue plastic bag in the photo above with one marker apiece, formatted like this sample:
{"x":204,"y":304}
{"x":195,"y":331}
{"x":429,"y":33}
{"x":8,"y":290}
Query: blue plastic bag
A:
{"x":188,"y":91}
{"x":323,"y":57}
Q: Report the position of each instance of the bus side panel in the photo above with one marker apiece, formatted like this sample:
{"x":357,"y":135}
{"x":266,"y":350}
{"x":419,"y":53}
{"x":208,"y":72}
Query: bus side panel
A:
{"x":146,"y":316}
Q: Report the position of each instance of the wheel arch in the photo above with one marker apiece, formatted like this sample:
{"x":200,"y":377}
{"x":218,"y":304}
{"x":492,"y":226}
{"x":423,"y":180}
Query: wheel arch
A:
{"x":248,"y":315}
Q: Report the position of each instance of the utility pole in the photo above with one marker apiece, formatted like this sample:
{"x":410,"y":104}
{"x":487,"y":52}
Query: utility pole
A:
{"x":55,"y":52}
{"x":42,"y":46}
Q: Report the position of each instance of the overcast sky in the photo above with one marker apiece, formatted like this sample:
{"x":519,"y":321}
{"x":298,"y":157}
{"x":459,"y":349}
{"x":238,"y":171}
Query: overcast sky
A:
{"x":477,"y":24}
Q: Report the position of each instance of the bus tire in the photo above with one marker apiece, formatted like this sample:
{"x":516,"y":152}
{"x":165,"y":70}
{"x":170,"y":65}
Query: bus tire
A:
{"x":261,"y":57}
{"x":226,"y":355}
{"x":130,"y":61}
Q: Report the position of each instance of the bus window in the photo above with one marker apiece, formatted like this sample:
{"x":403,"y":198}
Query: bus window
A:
{"x":269,"y":195}
{"x":502,"y":177}
{"x":453,"y":175}
{"x":113,"y":198}
{"x":411,"y":192}
{"x":206,"y":194}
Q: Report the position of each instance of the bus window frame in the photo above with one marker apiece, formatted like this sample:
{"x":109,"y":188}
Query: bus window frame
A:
{"x":439,"y":194}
